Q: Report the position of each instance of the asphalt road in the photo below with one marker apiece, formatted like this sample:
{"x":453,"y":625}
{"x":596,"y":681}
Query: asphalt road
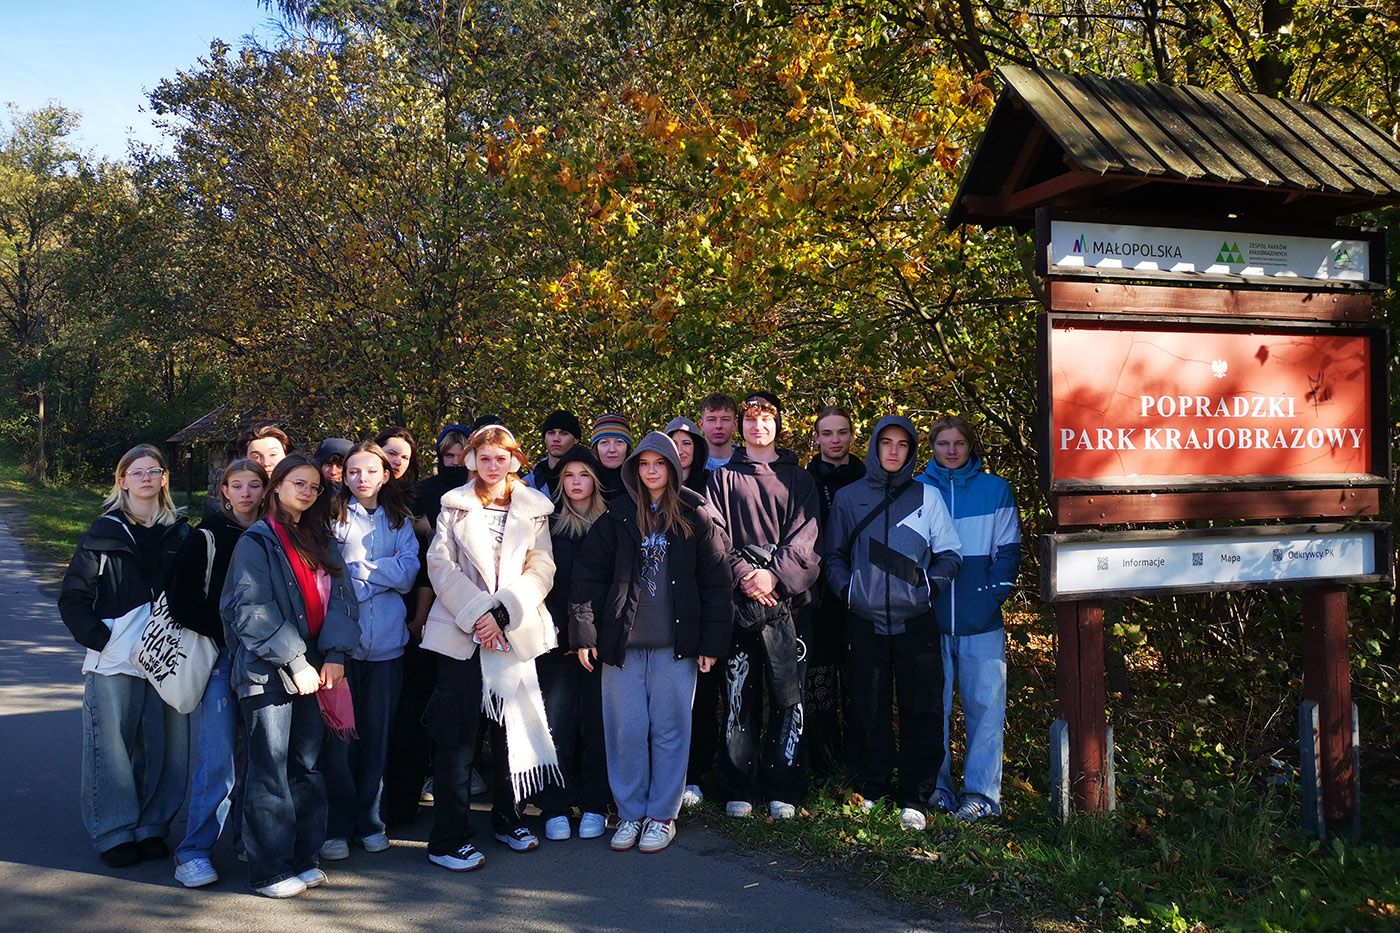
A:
{"x":52,"y":879}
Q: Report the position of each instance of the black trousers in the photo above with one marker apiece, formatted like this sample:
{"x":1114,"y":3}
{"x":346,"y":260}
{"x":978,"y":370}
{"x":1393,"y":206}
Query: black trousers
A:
{"x":573,"y":705}
{"x":880,"y":668}
{"x":826,"y":691}
{"x":753,"y":766}
{"x":704,"y":724}
{"x":410,"y":749}
{"x":452,"y":719}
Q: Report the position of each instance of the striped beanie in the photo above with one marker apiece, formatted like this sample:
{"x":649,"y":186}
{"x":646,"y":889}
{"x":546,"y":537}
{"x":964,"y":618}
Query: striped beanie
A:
{"x":611,"y":425}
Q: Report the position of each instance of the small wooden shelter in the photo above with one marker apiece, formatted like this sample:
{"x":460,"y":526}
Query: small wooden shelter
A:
{"x":1087,"y":142}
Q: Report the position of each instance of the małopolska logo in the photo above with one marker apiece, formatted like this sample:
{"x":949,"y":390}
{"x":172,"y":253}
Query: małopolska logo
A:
{"x":1230,"y":254}
{"x":1080,"y":244}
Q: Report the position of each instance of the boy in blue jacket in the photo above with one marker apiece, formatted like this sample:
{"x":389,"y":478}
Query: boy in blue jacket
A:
{"x":890,"y":552}
{"x":969,"y":614}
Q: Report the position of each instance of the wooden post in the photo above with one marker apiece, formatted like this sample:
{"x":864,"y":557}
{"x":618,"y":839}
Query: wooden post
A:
{"x":1327,"y":682}
{"x":1080,"y":678}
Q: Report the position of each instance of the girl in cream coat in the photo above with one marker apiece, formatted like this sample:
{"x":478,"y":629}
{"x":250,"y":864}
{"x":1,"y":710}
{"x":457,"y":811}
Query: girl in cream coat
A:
{"x":491,"y":564}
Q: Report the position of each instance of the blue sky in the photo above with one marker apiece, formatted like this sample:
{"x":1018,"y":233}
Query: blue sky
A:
{"x":100,"y":56}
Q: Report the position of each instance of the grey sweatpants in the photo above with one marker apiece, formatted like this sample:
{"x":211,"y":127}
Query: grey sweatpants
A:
{"x":646,"y":728}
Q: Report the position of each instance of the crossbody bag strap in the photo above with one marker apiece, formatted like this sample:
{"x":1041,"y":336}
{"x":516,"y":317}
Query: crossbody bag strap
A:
{"x":875,"y":513}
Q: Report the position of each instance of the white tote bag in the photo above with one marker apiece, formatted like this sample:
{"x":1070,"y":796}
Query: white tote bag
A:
{"x":176,"y":660}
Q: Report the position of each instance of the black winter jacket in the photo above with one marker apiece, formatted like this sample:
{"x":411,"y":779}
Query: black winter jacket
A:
{"x":104,"y":579}
{"x":609,"y":568}
{"x":190,"y":605}
{"x":566,"y":551}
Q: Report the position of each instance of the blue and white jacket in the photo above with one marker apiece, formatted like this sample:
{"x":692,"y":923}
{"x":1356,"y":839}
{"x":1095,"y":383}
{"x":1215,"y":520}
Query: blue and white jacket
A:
{"x":381,"y":563}
{"x":989,"y":528}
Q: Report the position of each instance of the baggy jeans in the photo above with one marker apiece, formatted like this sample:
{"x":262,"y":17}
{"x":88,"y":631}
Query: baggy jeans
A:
{"x":977,"y":664}
{"x":284,"y":802}
{"x":135,"y":760}
{"x":213,"y":731}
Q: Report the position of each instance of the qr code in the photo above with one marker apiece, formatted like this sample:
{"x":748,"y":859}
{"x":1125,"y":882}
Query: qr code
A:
{"x":1103,"y":563}
{"x":1198,"y":558}
{"x":1278,"y":553}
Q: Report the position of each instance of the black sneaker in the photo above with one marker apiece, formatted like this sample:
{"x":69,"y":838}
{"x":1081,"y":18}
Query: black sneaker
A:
{"x":153,"y":849}
{"x":519,"y":839}
{"x":466,"y":858}
{"x":122,"y":855}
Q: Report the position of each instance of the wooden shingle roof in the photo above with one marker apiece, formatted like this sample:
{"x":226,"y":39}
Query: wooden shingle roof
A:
{"x":1085,"y":141}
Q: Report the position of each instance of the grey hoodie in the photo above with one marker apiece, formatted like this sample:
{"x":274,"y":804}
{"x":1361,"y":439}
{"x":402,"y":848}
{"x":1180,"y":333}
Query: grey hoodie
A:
{"x":661,"y":444}
{"x":899,"y":563}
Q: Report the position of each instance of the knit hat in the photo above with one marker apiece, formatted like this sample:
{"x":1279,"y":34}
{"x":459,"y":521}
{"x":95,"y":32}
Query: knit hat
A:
{"x":563,"y":421}
{"x":461,"y":429}
{"x":333,"y":447}
{"x":579,"y":454}
{"x":482,"y":422}
{"x":763,"y":397}
{"x":611,"y":425}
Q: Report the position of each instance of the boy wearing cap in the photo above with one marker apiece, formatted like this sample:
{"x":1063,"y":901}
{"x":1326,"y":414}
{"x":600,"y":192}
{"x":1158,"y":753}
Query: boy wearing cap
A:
{"x":561,"y":430}
{"x":768,"y":506}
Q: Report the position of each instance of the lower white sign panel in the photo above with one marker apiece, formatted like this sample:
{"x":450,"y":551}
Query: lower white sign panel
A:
{"x":1139,"y":562}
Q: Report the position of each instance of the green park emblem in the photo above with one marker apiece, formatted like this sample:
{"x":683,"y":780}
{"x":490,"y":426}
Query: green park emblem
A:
{"x":1230,"y":254}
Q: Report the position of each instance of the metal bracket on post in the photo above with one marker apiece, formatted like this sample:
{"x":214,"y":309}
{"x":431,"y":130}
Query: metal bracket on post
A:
{"x":1110,"y":787}
{"x":1356,"y":773}
{"x":1059,"y":770}
{"x":1310,"y":769}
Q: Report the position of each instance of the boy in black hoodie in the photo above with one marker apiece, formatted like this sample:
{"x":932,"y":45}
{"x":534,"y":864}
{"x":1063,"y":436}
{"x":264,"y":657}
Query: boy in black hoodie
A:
{"x":768,"y":506}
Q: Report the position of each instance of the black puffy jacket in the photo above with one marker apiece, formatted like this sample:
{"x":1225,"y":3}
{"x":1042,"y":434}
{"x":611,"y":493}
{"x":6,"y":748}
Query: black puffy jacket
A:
{"x":104,"y":579}
{"x":609,"y":568}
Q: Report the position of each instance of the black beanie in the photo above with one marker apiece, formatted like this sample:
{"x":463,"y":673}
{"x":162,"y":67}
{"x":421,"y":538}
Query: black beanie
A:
{"x":564,"y":421}
{"x":482,"y":422}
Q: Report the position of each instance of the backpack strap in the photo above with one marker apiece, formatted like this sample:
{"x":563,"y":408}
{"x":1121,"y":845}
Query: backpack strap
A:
{"x":209,"y":557}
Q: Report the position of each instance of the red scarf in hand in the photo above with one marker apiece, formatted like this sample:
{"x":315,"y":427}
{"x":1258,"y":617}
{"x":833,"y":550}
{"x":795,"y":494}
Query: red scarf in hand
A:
{"x":306,"y":580}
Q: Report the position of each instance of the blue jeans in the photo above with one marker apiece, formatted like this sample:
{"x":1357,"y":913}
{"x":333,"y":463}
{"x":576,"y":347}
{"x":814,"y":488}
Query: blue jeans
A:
{"x":284,"y":799}
{"x":354,"y":769}
{"x":135,"y":760}
{"x":213,"y":726}
{"x":978,"y":665}
{"x":646,"y":725}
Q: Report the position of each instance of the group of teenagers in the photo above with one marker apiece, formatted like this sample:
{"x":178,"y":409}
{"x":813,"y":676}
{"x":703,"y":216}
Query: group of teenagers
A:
{"x":628,"y":623}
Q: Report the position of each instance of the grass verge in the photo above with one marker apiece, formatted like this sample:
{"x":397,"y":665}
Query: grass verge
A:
{"x":1231,"y":859}
{"x":49,"y":518}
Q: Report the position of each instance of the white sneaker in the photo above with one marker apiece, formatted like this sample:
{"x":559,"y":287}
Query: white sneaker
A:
{"x":657,"y":835}
{"x":425,"y":796}
{"x":626,"y":835}
{"x":913,"y":819}
{"x":691,"y":796}
{"x":592,"y":825}
{"x":196,"y":873}
{"x":972,"y":810}
{"x":556,"y":829}
{"x":313,"y":878}
{"x":333,"y":850}
{"x":464,"y":859}
{"x":781,"y":811}
{"x":379,"y":842}
{"x":478,"y":784}
{"x":287,"y":887}
{"x":739,"y":809}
